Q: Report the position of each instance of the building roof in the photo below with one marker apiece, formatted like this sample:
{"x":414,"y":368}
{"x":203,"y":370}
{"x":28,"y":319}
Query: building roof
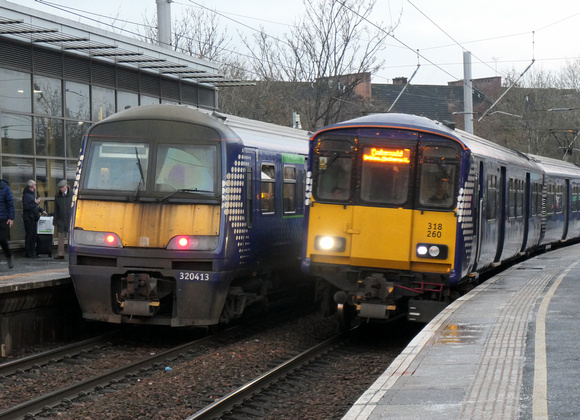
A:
{"x":437,"y":102}
{"x":59,"y":33}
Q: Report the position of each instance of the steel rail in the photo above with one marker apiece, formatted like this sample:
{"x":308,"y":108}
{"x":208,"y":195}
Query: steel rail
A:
{"x":237,"y":397}
{"x":25,"y":363}
{"x":50,"y":399}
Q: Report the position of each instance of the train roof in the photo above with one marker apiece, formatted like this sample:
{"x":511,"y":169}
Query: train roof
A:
{"x":556,"y":166}
{"x":253,"y":133}
{"x":264,"y":135}
{"x":477,"y":145}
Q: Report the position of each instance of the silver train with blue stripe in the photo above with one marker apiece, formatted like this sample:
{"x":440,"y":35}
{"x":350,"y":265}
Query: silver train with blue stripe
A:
{"x":185,"y":217}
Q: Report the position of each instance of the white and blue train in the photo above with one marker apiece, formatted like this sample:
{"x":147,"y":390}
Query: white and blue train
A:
{"x":404,"y":213}
{"x":185,"y":217}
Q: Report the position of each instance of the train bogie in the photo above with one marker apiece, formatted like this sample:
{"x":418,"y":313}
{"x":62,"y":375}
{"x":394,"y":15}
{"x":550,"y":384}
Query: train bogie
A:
{"x":182,"y":217}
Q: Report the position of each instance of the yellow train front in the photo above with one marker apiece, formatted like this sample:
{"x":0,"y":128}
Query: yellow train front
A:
{"x":382,"y":200}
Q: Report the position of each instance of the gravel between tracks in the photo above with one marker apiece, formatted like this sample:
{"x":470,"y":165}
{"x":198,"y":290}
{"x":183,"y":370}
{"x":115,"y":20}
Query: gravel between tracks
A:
{"x":186,"y":386}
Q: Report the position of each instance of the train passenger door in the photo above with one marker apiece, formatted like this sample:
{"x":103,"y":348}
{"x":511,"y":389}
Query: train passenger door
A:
{"x":478,"y":195}
{"x":249,"y":197}
{"x":502,"y":207}
{"x":565,"y":207}
{"x":526,"y":210}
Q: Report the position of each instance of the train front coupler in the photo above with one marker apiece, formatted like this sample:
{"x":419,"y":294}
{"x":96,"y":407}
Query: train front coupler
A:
{"x":139,"y":297}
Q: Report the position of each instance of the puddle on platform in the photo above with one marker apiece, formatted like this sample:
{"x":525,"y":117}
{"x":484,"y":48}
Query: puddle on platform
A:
{"x":460,"y":334}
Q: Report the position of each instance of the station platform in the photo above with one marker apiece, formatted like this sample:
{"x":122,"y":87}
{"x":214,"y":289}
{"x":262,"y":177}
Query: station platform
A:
{"x":506,"y":350}
{"x":32,"y":273}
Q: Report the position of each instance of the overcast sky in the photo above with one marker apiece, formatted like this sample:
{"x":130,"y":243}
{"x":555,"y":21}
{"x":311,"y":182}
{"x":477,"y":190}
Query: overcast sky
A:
{"x":502,"y":35}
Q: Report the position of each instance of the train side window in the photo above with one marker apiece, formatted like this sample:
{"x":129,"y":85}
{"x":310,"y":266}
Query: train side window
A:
{"x":512,"y":198}
{"x":491,"y":196}
{"x":268,"y":186}
{"x":519,"y":198}
{"x":289,"y":191}
{"x":550,"y":205}
{"x":535,"y":203}
{"x":559,"y":197}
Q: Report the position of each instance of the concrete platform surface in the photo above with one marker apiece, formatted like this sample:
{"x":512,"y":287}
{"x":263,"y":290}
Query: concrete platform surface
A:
{"x":506,"y":350}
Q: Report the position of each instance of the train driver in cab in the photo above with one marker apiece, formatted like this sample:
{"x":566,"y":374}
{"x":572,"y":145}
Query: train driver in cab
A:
{"x":441,"y":194}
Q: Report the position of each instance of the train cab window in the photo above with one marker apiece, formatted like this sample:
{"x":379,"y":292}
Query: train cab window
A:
{"x":117,"y":166}
{"x":185,"y":167}
{"x":437,"y":177}
{"x":289,"y":191}
{"x":268,"y":187}
{"x":333,"y":166}
{"x":385,"y":175}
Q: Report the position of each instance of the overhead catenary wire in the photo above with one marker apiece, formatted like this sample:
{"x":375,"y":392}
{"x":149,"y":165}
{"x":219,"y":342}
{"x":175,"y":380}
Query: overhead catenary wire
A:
{"x":426,"y":63}
{"x":506,"y":91}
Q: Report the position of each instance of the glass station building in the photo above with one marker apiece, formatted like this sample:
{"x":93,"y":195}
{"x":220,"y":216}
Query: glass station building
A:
{"x":58,"y":76}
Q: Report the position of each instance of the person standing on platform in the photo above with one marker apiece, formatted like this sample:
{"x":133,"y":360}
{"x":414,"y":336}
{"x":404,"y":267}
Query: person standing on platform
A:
{"x":31,"y":212}
{"x":62,"y":205}
{"x":6,"y":219}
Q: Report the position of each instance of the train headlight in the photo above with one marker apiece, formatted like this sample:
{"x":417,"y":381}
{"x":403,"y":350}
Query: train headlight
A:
{"x":432,"y":251}
{"x":422,"y":250}
{"x":93,"y":238}
{"x":330,"y":243}
{"x":193,"y":243}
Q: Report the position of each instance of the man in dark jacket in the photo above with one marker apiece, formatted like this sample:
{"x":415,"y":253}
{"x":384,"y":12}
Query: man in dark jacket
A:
{"x":62,"y":205}
{"x":6,"y":219}
{"x":31,"y":212}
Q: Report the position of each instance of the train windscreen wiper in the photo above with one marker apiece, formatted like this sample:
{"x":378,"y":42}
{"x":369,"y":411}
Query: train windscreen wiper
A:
{"x":328,"y":163}
{"x":142,"y":180}
{"x":185,"y":190}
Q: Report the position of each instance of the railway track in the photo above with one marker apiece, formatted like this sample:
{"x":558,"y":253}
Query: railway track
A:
{"x":44,"y":401}
{"x":237,"y":398}
{"x":246,"y":369}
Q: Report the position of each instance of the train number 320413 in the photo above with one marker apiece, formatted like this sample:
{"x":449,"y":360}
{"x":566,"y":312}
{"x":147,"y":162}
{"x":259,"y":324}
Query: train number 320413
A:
{"x":193,"y":276}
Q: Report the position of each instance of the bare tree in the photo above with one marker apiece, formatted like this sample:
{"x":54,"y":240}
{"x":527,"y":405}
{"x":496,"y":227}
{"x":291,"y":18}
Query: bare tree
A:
{"x":331,"y":50}
{"x":541,"y":115}
{"x":197,"y":33}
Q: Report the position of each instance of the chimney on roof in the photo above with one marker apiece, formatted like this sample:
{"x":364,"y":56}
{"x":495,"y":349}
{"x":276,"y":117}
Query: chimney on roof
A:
{"x":400,"y":81}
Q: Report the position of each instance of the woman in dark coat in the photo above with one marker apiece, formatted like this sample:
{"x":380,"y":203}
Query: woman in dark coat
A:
{"x":62,"y":204}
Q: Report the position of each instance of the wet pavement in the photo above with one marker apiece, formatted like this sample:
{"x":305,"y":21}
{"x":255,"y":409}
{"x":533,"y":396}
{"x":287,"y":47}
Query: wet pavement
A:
{"x":506,"y":350}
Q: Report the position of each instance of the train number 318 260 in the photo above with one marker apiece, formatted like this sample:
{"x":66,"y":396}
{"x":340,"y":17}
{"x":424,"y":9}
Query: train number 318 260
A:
{"x":434,"y":230}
